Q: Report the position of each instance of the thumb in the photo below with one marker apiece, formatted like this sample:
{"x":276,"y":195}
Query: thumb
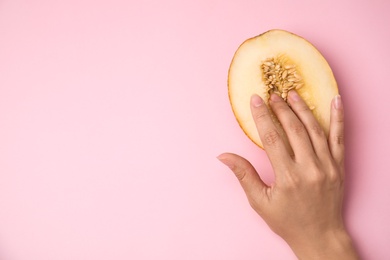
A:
{"x":249,"y":179}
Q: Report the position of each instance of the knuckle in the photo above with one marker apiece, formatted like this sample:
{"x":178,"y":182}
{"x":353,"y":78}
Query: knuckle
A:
{"x":297,"y":128}
{"x":271,"y":137}
{"x":338,"y":139}
{"x":239,"y":172}
{"x":317,"y":130}
{"x":304,"y":108}
{"x":334,"y":176}
{"x":260,"y":115}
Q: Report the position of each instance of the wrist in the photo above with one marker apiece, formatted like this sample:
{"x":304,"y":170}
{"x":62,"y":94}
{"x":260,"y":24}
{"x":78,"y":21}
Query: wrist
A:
{"x":334,"y":244}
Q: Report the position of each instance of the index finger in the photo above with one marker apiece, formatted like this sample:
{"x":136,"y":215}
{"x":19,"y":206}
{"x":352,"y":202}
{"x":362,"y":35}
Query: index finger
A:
{"x":269,"y":134}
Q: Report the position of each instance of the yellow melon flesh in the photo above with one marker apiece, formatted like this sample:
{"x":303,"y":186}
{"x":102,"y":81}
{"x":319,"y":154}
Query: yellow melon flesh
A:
{"x":317,"y":85}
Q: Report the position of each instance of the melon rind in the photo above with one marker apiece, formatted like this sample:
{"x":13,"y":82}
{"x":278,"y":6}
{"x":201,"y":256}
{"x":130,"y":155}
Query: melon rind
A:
{"x":245,"y":76}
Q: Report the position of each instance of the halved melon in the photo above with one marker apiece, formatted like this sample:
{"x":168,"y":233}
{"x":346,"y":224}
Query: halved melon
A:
{"x":278,"y":61}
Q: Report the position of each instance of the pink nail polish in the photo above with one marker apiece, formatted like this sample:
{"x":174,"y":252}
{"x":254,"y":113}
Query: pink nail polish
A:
{"x":256,"y":100}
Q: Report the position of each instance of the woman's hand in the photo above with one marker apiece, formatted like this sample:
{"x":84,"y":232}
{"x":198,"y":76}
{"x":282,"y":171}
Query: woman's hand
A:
{"x":304,"y":204}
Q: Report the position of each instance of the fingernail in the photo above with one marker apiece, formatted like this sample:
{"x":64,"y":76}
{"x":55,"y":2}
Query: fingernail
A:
{"x":337,"y":102}
{"x":293,"y":95}
{"x":275,"y":98}
{"x":256,"y":100}
{"x":224,"y":161}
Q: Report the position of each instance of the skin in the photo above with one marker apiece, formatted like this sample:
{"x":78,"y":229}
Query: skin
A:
{"x":304,"y":204}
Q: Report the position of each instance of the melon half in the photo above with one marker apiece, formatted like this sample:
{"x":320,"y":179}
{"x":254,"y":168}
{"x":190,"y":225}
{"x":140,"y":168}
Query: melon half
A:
{"x":278,"y":61}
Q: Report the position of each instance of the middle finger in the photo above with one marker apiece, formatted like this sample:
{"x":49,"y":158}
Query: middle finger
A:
{"x":295,"y":130}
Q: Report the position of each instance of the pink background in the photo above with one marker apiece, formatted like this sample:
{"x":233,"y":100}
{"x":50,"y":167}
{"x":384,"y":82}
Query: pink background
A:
{"x":112,"y":114}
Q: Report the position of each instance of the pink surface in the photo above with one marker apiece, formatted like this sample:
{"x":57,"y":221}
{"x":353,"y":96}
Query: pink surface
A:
{"x":112,"y":114}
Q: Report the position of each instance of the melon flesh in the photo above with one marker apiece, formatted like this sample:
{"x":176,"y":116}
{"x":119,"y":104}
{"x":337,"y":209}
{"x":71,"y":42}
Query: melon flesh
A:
{"x":247,"y":78}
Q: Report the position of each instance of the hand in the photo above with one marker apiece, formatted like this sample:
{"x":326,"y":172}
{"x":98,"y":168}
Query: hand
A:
{"x":304,"y":204}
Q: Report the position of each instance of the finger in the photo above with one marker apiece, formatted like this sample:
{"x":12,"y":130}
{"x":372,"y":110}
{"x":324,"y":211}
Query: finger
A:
{"x":246,"y":174}
{"x":313,"y":128}
{"x":269,"y":135}
{"x":336,"y":131}
{"x":295,"y":130}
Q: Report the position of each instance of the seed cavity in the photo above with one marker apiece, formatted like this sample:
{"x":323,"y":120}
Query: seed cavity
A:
{"x":280,"y":76}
